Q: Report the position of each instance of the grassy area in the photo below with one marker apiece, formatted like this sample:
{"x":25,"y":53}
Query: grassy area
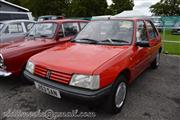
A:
{"x":171,"y":47}
{"x":169,"y":37}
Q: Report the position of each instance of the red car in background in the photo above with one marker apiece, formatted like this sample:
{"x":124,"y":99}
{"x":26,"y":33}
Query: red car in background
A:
{"x":99,"y":63}
{"x":43,"y":35}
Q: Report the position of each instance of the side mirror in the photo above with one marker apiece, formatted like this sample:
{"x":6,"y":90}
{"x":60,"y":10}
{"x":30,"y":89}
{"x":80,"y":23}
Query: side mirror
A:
{"x":143,"y":43}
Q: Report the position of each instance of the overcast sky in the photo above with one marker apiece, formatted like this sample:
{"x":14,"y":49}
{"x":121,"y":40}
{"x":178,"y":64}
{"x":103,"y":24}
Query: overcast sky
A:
{"x":143,"y":5}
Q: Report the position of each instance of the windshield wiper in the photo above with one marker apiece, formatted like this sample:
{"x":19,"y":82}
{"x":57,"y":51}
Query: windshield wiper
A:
{"x":86,"y":39}
{"x":114,"y":40}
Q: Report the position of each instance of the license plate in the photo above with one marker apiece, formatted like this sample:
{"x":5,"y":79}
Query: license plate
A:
{"x":48,"y":90}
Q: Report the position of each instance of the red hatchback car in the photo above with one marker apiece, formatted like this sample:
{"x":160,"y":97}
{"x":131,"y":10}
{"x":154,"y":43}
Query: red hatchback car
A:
{"x":43,"y":35}
{"x":100,"y":62}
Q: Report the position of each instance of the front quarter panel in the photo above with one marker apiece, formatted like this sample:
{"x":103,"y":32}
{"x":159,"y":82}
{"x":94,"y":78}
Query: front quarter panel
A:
{"x":110,"y":70}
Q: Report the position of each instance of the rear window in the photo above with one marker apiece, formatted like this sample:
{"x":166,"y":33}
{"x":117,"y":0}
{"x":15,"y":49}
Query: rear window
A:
{"x":10,"y":16}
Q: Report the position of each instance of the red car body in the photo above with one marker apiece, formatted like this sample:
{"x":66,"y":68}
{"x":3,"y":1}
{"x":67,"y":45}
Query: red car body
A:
{"x":15,"y":54}
{"x":107,"y":61}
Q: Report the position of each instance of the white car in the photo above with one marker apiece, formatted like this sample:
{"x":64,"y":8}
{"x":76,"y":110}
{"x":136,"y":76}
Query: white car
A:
{"x":13,"y":30}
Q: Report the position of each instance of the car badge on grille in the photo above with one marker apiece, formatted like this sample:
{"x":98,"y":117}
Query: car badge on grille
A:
{"x":48,"y":74}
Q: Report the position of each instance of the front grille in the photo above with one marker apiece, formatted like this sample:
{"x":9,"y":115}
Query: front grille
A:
{"x":54,"y":75}
{"x":40,"y":71}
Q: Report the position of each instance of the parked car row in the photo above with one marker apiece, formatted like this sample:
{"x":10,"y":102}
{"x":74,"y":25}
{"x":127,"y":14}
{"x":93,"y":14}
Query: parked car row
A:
{"x":98,"y":62}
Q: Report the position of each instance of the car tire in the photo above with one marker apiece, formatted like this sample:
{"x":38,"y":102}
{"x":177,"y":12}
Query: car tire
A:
{"x":116,"y":100}
{"x":156,"y":62}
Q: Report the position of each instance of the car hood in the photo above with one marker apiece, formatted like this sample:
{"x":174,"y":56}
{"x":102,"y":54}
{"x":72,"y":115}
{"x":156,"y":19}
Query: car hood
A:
{"x":11,"y":48}
{"x":76,"y":57}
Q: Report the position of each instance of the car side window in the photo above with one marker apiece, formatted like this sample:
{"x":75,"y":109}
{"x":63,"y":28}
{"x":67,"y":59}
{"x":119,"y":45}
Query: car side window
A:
{"x":70,"y":29}
{"x":28,"y":25}
{"x":82,"y":25}
{"x":151,"y":30}
{"x":141,"y":33}
{"x":13,"y":28}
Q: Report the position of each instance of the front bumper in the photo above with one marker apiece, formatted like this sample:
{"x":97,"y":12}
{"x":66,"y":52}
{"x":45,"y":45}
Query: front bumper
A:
{"x":4,"y":73}
{"x":70,"y":91}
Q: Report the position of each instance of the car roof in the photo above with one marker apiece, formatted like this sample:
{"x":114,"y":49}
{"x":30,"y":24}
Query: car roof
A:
{"x":120,"y":18}
{"x":64,"y":20}
{"x":10,"y":21}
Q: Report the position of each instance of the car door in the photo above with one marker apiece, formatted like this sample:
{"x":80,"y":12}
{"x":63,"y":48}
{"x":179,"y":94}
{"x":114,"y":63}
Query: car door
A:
{"x":13,"y":32}
{"x":154,"y":39}
{"x":141,"y":54}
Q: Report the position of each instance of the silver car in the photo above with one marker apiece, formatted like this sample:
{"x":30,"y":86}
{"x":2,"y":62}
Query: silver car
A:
{"x":13,"y":30}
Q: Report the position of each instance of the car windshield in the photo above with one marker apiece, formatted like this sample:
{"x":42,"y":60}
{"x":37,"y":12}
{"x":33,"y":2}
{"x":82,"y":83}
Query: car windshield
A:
{"x":107,"y":32}
{"x":1,"y":26}
{"x":43,"y":30}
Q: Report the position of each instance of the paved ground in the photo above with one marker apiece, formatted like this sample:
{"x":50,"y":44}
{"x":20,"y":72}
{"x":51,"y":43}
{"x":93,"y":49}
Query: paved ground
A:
{"x":155,"y":95}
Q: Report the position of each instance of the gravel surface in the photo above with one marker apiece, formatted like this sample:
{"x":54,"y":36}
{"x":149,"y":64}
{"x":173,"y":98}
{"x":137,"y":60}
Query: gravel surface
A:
{"x":155,"y":95}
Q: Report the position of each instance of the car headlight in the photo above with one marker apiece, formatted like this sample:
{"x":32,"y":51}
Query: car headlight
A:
{"x":85,"y":81}
{"x":1,"y":60}
{"x":30,"y":67}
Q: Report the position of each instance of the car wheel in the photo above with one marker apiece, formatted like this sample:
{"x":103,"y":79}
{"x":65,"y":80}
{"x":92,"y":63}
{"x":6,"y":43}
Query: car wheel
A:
{"x":155,"y":64}
{"x":117,"y":98}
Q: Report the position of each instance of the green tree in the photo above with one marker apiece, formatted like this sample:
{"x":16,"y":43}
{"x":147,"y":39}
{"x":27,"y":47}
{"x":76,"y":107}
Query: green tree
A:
{"x":119,"y":6}
{"x":87,"y":8}
{"x":166,"y":8}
